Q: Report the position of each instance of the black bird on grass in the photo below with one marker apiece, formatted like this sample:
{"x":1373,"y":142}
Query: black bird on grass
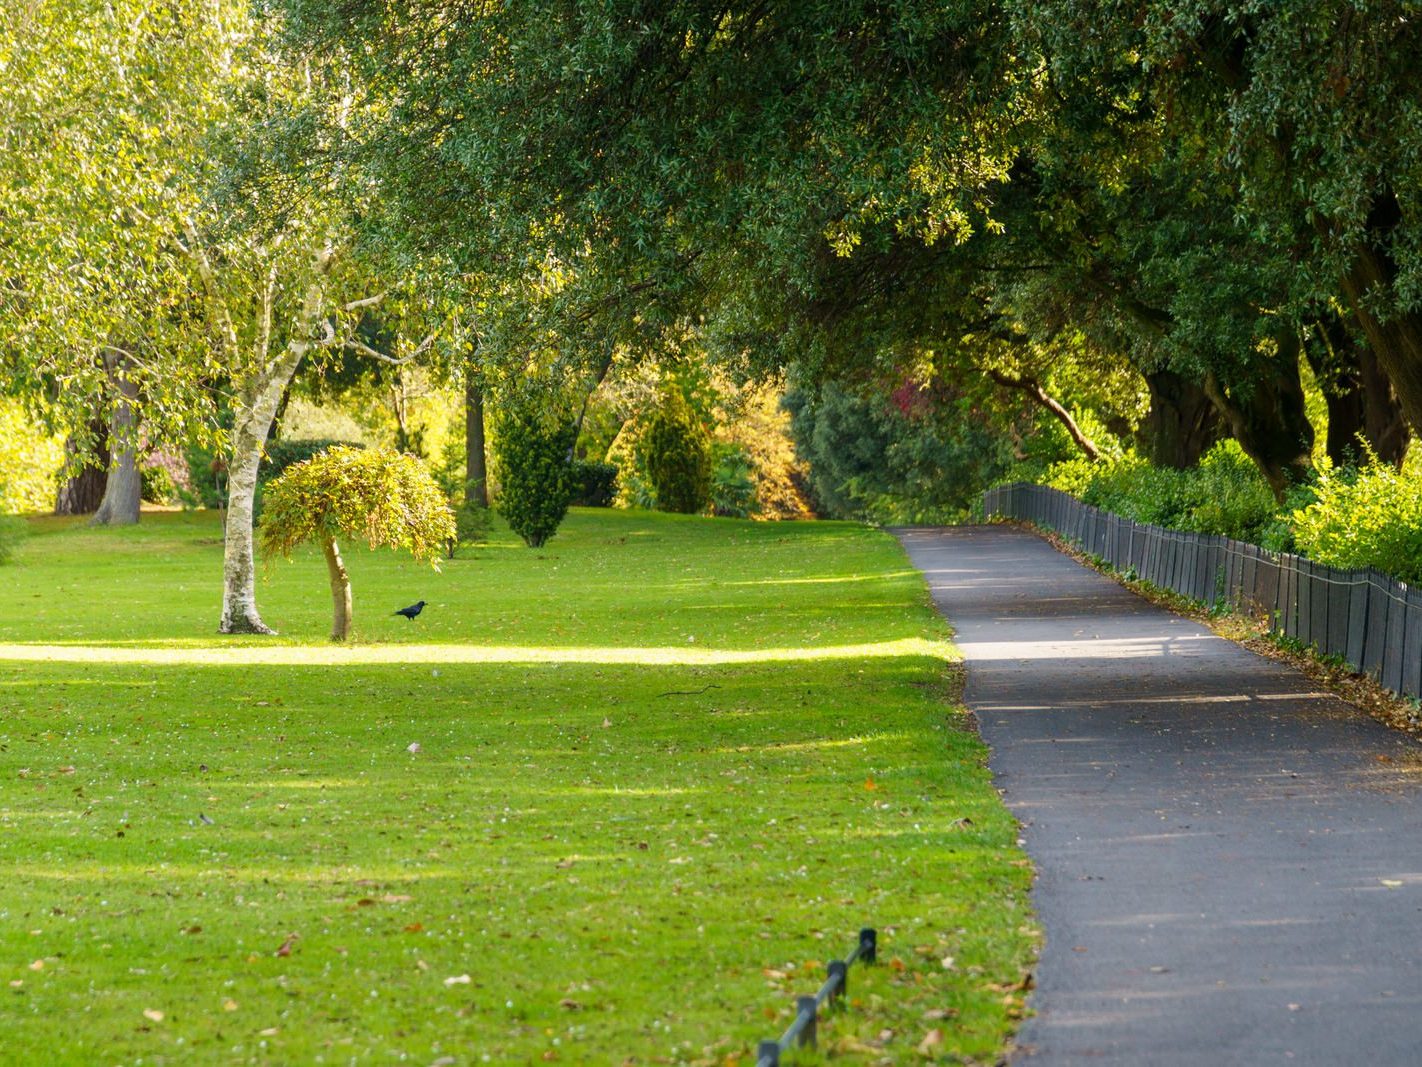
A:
{"x":413,"y":610}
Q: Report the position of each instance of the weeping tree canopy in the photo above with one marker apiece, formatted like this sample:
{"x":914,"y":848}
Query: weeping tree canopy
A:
{"x":384,"y":497}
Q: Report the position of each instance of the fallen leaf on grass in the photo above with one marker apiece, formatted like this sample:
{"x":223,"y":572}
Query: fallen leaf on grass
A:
{"x":270,"y":1031}
{"x":17,"y":983}
{"x":229,"y":1005}
{"x":570,"y":1005}
{"x":414,"y":928}
{"x":395,"y":898}
{"x":938,"y":1014}
{"x":38,"y":965}
{"x":459,"y":979}
{"x":930,"y":1043}
{"x":153,"y":1014}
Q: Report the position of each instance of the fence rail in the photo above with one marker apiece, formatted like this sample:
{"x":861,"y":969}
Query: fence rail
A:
{"x":1369,"y":619}
{"x":802,"y":1032}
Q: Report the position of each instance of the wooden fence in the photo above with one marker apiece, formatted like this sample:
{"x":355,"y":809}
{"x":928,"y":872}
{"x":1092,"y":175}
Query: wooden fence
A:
{"x":1370,"y":620}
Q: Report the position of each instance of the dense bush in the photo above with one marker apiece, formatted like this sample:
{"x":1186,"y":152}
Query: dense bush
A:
{"x":159,"y":486}
{"x":472,"y":520}
{"x":1367,"y":518}
{"x":281,"y":454}
{"x":868,"y":459}
{"x":531,"y":450}
{"x":594,"y":484}
{"x":733,"y":487}
{"x":1225,"y":494}
{"x":676,"y":452}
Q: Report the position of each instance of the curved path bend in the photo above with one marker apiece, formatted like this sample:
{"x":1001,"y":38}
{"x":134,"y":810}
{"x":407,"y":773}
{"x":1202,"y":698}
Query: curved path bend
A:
{"x":1229,"y":862}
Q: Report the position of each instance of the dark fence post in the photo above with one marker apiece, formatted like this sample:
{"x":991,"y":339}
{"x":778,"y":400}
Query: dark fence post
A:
{"x":808,"y":1005}
{"x":840,"y":970}
{"x":767,"y":1054}
{"x":868,"y":944}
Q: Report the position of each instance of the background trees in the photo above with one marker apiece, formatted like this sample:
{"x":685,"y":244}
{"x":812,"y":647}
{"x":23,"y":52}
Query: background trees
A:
{"x":981,"y":238}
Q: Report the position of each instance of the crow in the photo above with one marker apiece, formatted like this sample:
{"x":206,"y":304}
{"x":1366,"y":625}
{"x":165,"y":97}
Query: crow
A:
{"x":412,"y":610}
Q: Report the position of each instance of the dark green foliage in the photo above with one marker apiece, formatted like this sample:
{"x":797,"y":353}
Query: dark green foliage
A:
{"x":676,"y":451}
{"x":207,"y":477}
{"x":733,"y":494}
{"x":594,"y":484}
{"x":159,"y":486}
{"x":281,"y":454}
{"x":472,"y":521}
{"x":1225,"y":494}
{"x":871,"y":460}
{"x":531,"y":448}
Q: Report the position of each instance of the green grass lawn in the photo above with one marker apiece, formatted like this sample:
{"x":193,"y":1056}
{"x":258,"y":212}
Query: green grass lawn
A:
{"x":667,"y":767}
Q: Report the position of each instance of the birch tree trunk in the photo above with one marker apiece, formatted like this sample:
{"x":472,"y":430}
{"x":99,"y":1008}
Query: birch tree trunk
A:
{"x":261,"y":396}
{"x":123,"y":491}
{"x":249,"y":437}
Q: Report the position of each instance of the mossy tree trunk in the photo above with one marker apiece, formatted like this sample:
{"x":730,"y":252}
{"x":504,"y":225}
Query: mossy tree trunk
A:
{"x":340,"y":591}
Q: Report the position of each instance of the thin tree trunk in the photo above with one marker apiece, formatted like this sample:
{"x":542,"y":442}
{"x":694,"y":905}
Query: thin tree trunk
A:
{"x":123,"y":489}
{"x":476,"y":472}
{"x":340,"y":591}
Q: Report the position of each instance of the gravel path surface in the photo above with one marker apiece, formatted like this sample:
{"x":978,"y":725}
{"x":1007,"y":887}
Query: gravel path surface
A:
{"x":1230,"y":863}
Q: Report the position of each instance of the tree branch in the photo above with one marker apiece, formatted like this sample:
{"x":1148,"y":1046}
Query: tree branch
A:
{"x":1034,"y":390}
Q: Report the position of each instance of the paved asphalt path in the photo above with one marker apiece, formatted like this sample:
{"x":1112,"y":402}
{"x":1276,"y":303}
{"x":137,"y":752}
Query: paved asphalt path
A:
{"x":1230,"y":863}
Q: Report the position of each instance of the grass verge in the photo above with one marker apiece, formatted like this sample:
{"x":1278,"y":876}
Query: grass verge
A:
{"x":665,"y":768}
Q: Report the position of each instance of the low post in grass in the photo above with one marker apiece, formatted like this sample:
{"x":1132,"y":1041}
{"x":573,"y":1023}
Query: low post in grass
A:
{"x":803,"y":1032}
{"x":381,"y":496}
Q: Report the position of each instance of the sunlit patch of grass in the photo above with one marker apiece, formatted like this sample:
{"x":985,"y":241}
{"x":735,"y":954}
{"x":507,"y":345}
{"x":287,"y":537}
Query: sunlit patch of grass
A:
{"x":628,"y":857}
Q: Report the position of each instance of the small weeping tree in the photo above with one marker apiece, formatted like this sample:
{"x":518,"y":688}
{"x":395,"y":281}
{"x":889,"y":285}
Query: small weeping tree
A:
{"x":384,"y":497}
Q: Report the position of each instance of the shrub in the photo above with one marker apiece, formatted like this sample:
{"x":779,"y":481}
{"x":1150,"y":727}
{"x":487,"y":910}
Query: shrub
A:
{"x":159,"y":486}
{"x":472,"y":520}
{"x":1225,"y":494}
{"x":677,"y":453}
{"x":733,"y":489}
{"x":531,"y":449}
{"x":207,"y":476}
{"x":1367,"y":518}
{"x":926,"y":461}
{"x":594,"y":484}
{"x":378,"y":495}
